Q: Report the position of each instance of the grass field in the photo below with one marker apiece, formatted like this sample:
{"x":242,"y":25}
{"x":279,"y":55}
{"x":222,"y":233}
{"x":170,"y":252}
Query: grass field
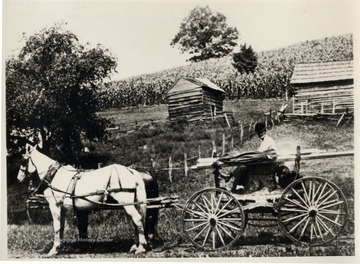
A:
{"x":111,"y":230}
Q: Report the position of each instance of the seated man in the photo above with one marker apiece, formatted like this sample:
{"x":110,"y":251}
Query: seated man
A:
{"x":268,"y":148}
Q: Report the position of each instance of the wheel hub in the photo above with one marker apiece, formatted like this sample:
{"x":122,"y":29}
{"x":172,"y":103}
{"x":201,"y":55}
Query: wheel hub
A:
{"x":312,"y":211}
{"x":212,"y":220}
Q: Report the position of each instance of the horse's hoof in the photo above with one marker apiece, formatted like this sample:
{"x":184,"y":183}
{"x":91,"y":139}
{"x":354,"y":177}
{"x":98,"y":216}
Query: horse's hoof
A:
{"x":140,"y":249}
{"x":133,"y":248}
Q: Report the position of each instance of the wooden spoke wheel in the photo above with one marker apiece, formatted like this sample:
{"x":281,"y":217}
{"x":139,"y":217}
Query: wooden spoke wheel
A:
{"x":213,"y":219}
{"x":312,"y":211}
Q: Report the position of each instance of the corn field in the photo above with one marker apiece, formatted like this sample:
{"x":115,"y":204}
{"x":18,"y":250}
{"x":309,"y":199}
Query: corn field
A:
{"x":270,"y":79}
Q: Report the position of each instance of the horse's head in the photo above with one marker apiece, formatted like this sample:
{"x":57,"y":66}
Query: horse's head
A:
{"x":26,"y":166}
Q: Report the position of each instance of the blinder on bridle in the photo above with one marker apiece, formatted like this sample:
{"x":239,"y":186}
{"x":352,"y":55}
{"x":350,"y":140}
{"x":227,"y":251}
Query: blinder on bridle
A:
{"x":24,"y":165}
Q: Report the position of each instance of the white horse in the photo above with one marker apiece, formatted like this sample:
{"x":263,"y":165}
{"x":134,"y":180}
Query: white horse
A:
{"x":66,"y":187}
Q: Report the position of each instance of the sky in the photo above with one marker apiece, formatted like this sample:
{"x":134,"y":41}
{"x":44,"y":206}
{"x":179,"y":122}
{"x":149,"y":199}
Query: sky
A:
{"x":139,"y":33}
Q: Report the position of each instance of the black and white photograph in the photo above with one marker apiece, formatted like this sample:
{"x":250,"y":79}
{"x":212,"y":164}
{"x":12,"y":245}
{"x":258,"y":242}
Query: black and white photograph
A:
{"x":179,"y":130}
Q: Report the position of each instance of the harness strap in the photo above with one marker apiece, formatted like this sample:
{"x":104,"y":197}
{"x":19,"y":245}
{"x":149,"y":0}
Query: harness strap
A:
{"x":132,"y":174}
{"x":100,"y":192}
{"x":118,"y":176}
{"x":75,"y":178}
{"x":49,"y":176}
{"x":115,"y":205}
{"x":106,"y":191}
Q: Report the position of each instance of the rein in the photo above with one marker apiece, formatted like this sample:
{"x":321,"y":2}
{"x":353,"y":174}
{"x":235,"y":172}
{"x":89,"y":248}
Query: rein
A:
{"x":50,"y":174}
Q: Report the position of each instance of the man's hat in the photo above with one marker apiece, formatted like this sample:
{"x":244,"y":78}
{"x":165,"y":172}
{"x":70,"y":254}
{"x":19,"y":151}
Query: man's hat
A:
{"x":259,"y":127}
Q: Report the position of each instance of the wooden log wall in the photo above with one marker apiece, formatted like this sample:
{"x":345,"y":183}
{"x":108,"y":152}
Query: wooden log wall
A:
{"x":210,"y":98}
{"x":329,"y":98}
{"x":185,"y":104}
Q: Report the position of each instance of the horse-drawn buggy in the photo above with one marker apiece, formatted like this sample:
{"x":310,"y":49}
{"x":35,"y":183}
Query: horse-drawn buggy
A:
{"x":309,"y":210}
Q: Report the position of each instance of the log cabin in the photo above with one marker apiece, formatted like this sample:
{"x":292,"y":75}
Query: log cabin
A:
{"x":194,"y":99}
{"x":323,"y":87}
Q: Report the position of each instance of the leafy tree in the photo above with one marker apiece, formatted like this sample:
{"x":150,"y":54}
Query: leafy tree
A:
{"x":205,"y":34}
{"x":245,"y":61}
{"x":51,"y":90}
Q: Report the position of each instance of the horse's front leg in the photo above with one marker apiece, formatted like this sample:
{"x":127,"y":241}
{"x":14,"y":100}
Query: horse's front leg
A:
{"x":55,"y":209}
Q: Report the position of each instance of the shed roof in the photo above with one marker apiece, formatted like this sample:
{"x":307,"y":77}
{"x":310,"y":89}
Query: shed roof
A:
{"x":185,"y":84}
{"x":322,"y":72}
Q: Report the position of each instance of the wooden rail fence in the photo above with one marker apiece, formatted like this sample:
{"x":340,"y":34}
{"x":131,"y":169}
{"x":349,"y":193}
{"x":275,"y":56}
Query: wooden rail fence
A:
{"x":227,"y":143}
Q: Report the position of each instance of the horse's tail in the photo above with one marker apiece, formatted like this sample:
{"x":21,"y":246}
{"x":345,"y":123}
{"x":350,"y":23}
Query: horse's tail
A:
{"x":152,"y":214}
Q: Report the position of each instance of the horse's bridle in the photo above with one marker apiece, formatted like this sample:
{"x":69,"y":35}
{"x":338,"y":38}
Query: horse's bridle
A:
{"x":24,"y":168}
{"x":24,"y":164}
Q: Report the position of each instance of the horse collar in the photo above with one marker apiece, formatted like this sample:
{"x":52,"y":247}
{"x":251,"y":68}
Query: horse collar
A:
{"x":50,"y":174}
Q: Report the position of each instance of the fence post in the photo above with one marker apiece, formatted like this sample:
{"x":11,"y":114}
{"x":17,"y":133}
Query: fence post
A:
{"x":322,"y":108}
{"x":333,"y":110}
{"x":185,"y":165}
{"x":214,"y":154}
{"x":223,"y":144}
{"x":293,"y":104}
{"x":271,"y":118}
{"x":227,"y":120}
{"x":170,"y":169}
{"x":266,"y":120}
{"x":250,"y":126}
{"x":241,"y":133}
{"x":199,"y":152}
{"x":232,"y":143}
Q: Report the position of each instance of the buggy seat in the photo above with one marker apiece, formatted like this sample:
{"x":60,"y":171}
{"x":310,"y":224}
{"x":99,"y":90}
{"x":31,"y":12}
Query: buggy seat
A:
{"x":254,"y":171}
{"x":256,"y":176}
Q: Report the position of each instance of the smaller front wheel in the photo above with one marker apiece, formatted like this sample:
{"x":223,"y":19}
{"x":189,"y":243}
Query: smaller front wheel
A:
{"x":213,"y":219}
{"x":312,"y":211}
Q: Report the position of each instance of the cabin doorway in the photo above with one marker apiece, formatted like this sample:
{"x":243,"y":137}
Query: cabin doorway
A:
{"x":213,"y":110}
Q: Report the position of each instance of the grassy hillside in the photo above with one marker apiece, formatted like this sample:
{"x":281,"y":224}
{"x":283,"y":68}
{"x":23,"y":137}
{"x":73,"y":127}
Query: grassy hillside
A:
{"x":271,"y":78}
{"x":112,"y":231}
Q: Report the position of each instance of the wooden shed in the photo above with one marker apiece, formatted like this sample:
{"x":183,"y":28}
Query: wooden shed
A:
{"x":324,"y":87}
{"x":194,"y":99}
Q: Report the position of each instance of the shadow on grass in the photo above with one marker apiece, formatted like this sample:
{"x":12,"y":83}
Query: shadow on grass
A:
{"x":93,"y":247}
{"x":39,"y":216}
{"x":264,"y":238}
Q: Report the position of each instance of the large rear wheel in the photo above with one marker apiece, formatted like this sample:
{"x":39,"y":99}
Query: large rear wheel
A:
{"x":213,"y":219}
{"x":312,"y":211}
